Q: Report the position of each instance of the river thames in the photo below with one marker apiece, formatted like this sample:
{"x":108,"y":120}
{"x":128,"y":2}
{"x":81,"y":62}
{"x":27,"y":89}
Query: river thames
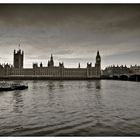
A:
{"x":71,"y":108}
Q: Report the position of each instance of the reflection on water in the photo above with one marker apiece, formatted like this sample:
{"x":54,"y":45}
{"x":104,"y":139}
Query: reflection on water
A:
{"x":51,"y":85}
{"x":98,"y":84}
{"x":17,"y":102}
{"x":98,"y":94}
{"x":71,"y":108}
{"x":61,"y":84}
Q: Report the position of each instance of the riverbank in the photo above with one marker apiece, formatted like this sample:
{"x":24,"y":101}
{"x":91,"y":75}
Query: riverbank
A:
{"x":122,"y":78}
{"x":46,"y":78}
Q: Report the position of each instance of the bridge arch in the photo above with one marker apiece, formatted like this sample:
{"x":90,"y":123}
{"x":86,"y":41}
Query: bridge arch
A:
{"x":124,"y":77}
{"x":134,"y":77}
{"x":115,"y":77}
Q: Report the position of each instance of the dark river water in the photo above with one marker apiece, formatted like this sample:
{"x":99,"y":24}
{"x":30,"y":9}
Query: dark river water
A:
{"x":72,"y":108}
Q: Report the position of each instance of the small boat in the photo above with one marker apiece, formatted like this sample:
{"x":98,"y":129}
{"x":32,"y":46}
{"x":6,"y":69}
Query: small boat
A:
{"x":10,"y":86}
{"x":19,"y":86}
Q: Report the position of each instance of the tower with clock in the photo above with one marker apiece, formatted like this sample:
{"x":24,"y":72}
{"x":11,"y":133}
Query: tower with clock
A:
{"x":98,"y":64}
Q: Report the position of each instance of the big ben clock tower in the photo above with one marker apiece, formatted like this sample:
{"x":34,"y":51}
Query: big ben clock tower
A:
{"x":98,"y":64}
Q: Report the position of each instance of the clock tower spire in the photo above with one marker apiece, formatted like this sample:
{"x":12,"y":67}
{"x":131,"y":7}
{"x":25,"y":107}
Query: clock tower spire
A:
{"x":98,"y":64}
{"x":98,"y":58}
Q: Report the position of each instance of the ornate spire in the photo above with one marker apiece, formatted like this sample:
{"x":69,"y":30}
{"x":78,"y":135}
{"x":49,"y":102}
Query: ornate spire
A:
{"x":79,"y":65}
{"x":98,"y":54}
{"x":19,"y":46}
{"x":51,"y":57}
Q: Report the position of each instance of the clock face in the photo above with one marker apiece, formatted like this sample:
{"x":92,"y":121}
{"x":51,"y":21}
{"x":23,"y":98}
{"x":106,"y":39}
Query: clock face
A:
{"x":98,"y":59}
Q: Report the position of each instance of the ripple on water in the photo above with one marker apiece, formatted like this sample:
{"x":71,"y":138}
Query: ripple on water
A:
{"x":71,"y":108}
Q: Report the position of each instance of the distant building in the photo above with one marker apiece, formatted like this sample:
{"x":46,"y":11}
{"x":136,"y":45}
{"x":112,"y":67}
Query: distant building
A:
{"x":135,"y":69}
{"x":51,"y":71}
{"x":116,"y":70}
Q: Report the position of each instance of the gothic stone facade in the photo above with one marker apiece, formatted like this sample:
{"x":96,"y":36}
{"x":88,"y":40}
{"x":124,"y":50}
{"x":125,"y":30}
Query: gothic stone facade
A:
{"x":135,"y":69}
{"x":116,"y":70}
{"x":49,"y":72}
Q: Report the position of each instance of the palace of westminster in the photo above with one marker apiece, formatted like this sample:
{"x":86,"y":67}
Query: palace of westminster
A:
{"x":17,"y":70}
{"x":51,"y":71}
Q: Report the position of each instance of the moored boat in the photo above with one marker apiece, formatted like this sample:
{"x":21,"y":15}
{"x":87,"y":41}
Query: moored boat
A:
{"x":19,"y":86}
{"x":11,"y":86}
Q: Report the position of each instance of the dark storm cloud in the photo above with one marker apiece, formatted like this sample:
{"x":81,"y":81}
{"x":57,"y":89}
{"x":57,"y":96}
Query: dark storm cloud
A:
{"x":70,"y":31}
{"x":69,"y":14}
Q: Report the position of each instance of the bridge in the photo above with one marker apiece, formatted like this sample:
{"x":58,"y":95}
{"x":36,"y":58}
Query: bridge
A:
{"x":126,"y":76}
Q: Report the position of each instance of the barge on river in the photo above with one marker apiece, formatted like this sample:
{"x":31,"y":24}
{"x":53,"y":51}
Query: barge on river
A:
{"x":12,"y":86}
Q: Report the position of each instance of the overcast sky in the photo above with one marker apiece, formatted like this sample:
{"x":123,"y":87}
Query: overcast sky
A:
{"x":72,"y":33}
